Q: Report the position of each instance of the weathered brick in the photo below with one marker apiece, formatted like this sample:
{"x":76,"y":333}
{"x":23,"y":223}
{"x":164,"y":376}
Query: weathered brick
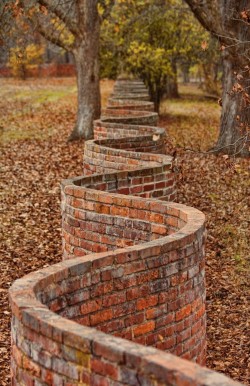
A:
{"x":104,"y":368}
{"x":113,"y":299}
{"x":148,"y":302}
{"x":183,"y":313}
{"x":91,"y":306}
{"x":101,"y":317}
{"x":144,"y":328}
{"x":61,"y":366}
{"x":31,"y":367}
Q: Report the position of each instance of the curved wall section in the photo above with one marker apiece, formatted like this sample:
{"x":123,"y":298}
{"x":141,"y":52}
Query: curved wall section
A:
{"x":130,"y":117}
{"x":128,"y":104}
{"x":69,"y":320}
{"x":132,"y":275}
{"x":131,"y":96}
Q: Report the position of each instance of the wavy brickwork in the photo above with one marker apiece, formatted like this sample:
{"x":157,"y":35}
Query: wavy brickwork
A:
{"x":132,"y":275}
{"x":129,"y":91}
{"x":130,"y":104}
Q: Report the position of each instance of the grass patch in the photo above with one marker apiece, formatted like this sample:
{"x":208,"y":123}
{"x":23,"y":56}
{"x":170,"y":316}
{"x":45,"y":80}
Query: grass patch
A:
{"x":192,"y":121}
{"x":45,"y":95}
{"x":29,"y":109}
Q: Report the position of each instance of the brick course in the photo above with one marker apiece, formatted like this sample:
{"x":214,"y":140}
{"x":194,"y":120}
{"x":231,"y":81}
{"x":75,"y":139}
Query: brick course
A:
{"x":132,"y":274}
{"x":128,"y":104}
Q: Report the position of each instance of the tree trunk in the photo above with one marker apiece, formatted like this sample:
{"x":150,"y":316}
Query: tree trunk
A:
{"x":235,"y":114}
{"x":228,"y":23}
{"x":155,"y":94}
{"x":211,"y":84}
{"x":86,"y":55}
{"x":171,"y":87}
{"x":22,"y":72}
{"x":185,"y":74}
{"x":157,"y":100}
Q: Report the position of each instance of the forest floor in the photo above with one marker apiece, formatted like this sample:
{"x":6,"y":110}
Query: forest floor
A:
{"x":36,"y":117}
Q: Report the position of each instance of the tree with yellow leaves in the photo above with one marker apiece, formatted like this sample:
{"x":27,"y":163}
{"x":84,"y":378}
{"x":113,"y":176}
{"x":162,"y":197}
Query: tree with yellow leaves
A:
{"x":150,"y":38}
{"x":73,"y":25}
{"x":23,"y":59}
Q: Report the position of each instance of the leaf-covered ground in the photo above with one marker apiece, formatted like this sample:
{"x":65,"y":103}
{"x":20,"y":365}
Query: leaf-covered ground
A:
{"x":36,"y":118}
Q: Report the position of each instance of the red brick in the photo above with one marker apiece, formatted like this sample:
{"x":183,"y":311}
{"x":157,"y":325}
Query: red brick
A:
{"x":91,"y":306}
{"x":97,"y":380}
{"x":109,"y":352}
{"x":27,"y":379}
{"x":183,"y":313}
{"x":17,"y":355}
{"x":144,"y":328}
{"x":114,"y":299}
{"x":100,"y":317}
{"x":134,"y":319}
{"x":167,"y":343}
{"x":159,"y":229}
{"x":104,"y":368}
{"x":101,"y":289}
{"x":148,"y":276}
{"x":147,"y":302}
{"x":31,"y":367}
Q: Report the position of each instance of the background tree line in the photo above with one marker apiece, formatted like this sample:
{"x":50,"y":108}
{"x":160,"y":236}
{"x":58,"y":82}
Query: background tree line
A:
{"x":150,"y":39}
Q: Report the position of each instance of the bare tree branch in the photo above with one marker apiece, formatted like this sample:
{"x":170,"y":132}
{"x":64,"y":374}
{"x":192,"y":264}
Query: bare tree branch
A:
{"x":50,"y":36}
{"x":70,"y":23}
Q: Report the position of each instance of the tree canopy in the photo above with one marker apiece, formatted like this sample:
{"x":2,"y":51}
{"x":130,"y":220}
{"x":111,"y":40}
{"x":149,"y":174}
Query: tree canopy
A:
{"x":149,"y":39}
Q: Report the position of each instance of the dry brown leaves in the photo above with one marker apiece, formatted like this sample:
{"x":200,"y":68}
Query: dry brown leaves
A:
{"x":221,"y":191}
{"x":33,"y":167}
{"x":220,"y":187}
{"x":30,"y":178}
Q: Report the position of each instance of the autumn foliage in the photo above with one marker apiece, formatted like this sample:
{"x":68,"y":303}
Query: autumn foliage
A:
{"x":24,"y":59}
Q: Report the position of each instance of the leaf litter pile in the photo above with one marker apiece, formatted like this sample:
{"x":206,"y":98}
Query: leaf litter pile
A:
{"x":36,"y":119}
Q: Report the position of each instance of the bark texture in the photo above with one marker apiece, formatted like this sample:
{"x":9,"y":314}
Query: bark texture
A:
{"x":81,"y":30}
{"x":234,"y":116}
{"x":88,"y":97}
{"x":224,"y":19}
{"x":171,"y":87}
{"x":87,"y":67}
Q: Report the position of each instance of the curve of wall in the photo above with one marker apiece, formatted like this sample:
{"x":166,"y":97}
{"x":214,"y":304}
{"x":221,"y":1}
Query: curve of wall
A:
{"x":132,"y":275}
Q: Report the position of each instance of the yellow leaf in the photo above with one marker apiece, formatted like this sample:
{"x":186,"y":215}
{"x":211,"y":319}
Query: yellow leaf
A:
{"x":204,"y":45}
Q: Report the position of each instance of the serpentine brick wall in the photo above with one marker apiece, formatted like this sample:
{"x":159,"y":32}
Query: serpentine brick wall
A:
{"x":132,"y":275}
